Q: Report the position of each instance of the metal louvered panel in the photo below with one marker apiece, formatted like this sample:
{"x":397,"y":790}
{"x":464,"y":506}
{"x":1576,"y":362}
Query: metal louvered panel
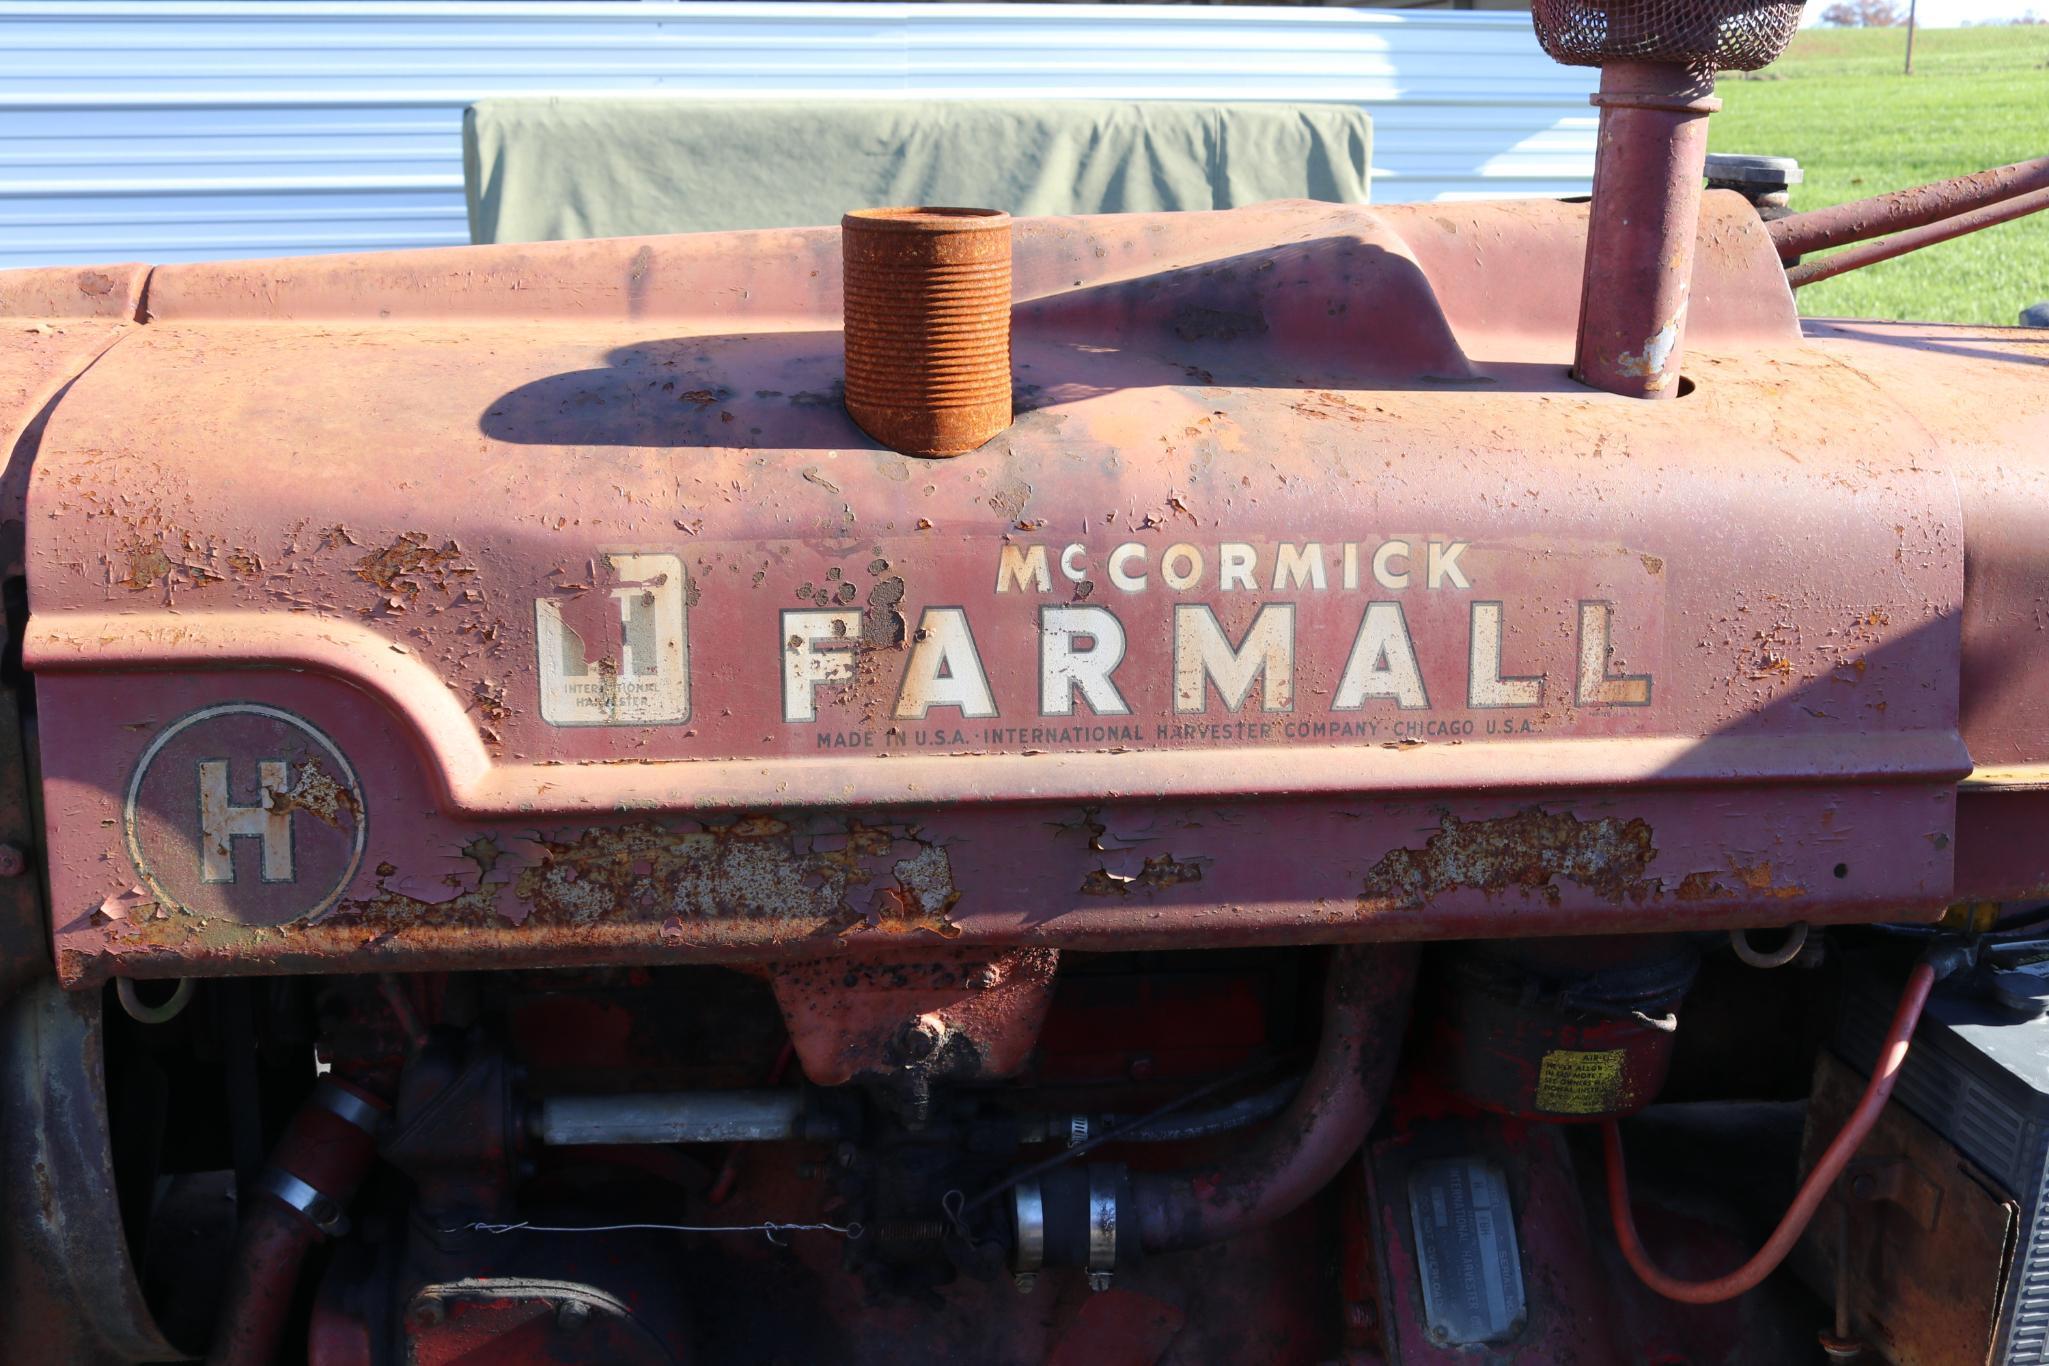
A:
{"x":185,"y":130}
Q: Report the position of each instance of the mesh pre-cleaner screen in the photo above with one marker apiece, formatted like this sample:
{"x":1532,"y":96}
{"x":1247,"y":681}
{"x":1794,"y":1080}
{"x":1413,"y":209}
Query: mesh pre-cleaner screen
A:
{"x":1726,"y":35}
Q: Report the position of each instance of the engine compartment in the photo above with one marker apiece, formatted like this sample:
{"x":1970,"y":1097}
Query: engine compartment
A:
{"x":840,"y":1223}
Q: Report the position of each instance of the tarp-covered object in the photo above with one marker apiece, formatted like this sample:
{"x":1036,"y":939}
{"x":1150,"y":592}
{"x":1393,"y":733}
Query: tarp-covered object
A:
{"x":545,"y":169}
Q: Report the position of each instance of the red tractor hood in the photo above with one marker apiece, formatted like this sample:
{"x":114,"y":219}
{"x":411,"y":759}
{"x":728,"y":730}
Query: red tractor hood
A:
{"x":534,"y":605}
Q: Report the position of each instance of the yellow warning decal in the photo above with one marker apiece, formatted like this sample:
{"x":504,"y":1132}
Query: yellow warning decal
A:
{"x":1572,"y":1083}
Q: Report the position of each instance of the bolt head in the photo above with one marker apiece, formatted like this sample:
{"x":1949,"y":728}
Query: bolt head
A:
{"x":13,"y":862}
{"x":918,"y":1040}
{"x":428,"y":1313}
{"x":1025,"y":1281}
{"x":1099,"y":1281}
{"x":572,"y":1314}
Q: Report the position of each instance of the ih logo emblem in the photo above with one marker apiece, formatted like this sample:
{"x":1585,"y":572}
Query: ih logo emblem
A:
{"x":245,"y":811}
{"x":618,"y":652}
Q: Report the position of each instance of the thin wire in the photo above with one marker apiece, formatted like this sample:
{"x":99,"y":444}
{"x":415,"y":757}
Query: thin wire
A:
{"x":769,"y":1230}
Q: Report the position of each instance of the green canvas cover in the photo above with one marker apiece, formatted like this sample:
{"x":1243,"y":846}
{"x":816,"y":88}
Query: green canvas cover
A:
{"x":545,"y":169}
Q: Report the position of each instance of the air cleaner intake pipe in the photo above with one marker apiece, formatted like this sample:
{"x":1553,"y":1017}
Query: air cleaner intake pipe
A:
{"x":1641,"y":226}
{"x":927,"y":306}
{"x":1658,"y":60}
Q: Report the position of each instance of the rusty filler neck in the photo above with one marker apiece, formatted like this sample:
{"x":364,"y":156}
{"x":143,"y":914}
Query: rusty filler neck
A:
{"x":927,"y":300}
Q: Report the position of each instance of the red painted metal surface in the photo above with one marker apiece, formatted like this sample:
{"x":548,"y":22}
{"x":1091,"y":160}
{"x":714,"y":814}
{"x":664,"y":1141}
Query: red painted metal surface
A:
{"x":502,"y":1319}
{"x":943,"y":1014}
{"x":1561,"y":1031}
{"x":1977,"y":394}
{"x":609,"y":638}
{"x":72,"y":1292}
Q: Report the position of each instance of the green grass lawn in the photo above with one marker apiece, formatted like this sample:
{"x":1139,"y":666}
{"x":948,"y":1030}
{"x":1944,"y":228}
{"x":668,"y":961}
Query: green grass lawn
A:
{"x":1838,"y":101}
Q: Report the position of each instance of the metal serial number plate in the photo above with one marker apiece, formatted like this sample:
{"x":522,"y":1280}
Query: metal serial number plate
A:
{"x":1465,"y":1244}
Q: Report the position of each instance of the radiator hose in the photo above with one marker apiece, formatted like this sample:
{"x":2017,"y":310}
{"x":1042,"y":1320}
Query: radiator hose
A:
{"x":1366,"y":1000}
{"x":1812,"y":1191}
{"x":1101,"y":1215}
{"x":299,"y":1201}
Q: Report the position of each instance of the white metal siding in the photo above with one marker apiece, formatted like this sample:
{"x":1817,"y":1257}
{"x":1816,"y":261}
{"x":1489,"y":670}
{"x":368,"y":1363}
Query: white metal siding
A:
{"x":176,"y":130}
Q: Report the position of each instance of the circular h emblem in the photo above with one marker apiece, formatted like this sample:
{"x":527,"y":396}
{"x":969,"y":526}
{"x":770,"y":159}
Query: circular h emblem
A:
{"x":247,"y":812}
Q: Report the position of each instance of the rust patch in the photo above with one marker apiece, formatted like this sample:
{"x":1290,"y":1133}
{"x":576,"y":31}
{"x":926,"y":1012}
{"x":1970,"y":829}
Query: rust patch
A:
{"x":317,"y":794}
{"x":1757,"y":880}
{"x":1161,"y":870}
{"x":1699,"y":887}
{"x":1008,"y":499}
{"x":147,"y":564}
{"x":756,"y":870}
{"x":411,"y":565}
{"x":1752,"y":881}
{"x":482,"y":851}
{"x":1531,"y":850}
{"x":882,"y":624}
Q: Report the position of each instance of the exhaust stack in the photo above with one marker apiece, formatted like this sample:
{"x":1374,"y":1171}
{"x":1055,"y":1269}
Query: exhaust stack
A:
{"x":1658,"y":60}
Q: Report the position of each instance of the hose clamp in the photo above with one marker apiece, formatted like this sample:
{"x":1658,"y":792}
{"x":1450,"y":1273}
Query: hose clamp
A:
{"x":348,"y":1107}
{"x":320,"y":1210}
{"x":1028,"y":1205}
{"x":1102,"y":1224}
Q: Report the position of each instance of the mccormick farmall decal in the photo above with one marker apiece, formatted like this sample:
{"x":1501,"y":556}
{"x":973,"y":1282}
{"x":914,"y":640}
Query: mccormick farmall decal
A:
{"x":1136,"y":643}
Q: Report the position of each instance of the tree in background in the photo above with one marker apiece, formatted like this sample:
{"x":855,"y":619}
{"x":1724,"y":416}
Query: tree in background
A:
{"x":1863,"y":14}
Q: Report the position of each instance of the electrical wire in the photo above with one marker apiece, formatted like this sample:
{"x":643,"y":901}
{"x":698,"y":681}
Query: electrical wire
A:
{"x":1812,"y":1191}
{"x":770,"y":1229}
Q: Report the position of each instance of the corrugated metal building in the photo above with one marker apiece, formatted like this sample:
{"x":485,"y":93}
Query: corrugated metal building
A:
{"x":174,"y":130}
